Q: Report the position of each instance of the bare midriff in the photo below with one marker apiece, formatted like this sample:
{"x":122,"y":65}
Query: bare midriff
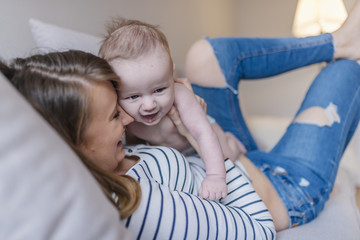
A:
{"x":267,"y":193}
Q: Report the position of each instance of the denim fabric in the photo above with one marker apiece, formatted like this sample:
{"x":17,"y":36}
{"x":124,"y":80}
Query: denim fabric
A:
{"x":251,"y":58}
{"x":303,"y":165}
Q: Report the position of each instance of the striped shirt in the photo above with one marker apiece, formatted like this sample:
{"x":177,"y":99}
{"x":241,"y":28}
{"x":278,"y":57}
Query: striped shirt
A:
{"x":170,"y":207}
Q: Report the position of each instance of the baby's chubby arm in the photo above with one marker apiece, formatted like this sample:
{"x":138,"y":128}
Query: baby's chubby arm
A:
{"x":195,"y":120}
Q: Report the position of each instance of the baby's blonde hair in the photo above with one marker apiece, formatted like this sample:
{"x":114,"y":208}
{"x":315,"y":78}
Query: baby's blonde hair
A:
{"x":129,"y":39}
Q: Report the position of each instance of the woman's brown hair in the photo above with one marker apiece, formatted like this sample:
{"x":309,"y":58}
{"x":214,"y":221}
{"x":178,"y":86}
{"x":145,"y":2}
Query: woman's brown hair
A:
{"x":56,"y":85}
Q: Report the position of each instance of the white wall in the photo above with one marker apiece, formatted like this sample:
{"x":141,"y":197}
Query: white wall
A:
{"x":280,"y":95}
{"x":183,"y":22}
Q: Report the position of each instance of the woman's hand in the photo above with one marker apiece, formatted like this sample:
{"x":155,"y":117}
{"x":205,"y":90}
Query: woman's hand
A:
{"x":175,"y":118}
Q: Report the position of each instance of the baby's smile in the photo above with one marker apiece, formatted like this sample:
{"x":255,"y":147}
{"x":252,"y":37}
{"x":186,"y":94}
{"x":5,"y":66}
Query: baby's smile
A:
{"x":148,"y":119}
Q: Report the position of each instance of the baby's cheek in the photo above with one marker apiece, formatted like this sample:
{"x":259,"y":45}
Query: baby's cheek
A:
{"x":128,"y":107}
{"x":167,"y":104}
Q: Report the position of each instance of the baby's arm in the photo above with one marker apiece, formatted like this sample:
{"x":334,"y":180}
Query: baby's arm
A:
{"x":195,"y":120}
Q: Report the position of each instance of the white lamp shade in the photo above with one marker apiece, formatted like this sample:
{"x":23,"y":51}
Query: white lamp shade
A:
{"x":313,"y":17}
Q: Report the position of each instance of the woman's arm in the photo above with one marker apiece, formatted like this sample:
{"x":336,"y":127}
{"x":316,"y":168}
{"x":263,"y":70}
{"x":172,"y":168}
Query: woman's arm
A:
{"x":165,"y":212}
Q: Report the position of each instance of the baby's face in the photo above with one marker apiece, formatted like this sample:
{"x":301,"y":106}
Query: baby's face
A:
{"x":146,"y":90}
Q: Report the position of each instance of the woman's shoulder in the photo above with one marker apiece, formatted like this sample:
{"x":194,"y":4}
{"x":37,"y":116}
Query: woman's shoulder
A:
{"x":165,"y":165}
{"x":158,"y":152}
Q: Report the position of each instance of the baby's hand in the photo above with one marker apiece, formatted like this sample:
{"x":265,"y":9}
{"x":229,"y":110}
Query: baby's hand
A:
{"x":213,"y":187}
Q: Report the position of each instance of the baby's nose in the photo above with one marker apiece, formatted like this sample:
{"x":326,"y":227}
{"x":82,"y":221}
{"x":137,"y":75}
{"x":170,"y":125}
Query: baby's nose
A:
{"x":149,"y":104}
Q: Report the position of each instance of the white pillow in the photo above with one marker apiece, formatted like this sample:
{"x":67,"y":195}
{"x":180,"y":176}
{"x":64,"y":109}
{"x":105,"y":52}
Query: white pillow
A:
{"x":45,"y":190}
{"x":50,"y":37}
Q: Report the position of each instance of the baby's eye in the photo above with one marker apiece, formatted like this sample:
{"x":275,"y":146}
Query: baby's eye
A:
{"x":159,"y":90}
{"x":133,"y":97}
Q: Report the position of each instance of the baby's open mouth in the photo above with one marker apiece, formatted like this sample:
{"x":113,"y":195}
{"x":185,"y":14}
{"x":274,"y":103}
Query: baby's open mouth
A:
{"x":150,"y":118}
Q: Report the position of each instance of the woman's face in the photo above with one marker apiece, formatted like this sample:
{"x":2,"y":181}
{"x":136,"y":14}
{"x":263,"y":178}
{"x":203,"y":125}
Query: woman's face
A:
{"x":102,"y":139}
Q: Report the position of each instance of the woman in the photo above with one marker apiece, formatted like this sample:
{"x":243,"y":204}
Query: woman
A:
{"x":167,"y":207}
{"x":75,"y":92}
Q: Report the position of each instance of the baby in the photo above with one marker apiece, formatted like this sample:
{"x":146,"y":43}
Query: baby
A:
{"x":139,"y":53}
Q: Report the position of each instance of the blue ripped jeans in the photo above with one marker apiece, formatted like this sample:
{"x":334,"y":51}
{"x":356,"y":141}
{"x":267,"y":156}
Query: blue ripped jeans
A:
{"x":303,"y":164}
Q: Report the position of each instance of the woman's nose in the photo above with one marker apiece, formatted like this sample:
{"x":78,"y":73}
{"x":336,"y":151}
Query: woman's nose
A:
{"x":126,"y":119}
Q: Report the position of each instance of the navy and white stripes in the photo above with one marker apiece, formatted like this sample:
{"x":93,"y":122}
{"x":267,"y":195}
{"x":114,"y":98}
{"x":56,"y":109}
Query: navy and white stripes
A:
{"x":171,"y":209}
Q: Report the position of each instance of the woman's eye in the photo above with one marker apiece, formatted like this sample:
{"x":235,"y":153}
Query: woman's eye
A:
{"x":116,"y":115}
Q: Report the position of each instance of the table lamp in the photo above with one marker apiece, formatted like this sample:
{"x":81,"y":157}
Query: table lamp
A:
{"x":313,"y":17}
